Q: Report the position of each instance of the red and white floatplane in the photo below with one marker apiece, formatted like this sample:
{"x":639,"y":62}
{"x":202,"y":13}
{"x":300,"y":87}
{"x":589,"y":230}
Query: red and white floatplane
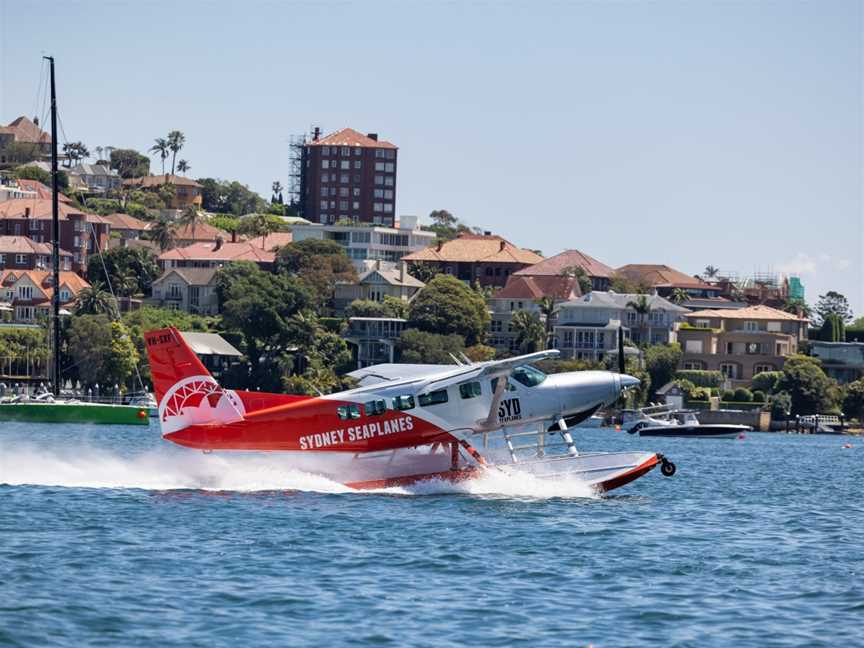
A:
{"x":405,"y":423}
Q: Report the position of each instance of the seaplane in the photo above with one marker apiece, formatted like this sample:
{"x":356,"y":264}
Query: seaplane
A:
{"x":404,"y":423}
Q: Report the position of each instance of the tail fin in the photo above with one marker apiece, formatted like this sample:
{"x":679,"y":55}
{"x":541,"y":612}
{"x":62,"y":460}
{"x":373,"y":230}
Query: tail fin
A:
{"x":186,"y":392}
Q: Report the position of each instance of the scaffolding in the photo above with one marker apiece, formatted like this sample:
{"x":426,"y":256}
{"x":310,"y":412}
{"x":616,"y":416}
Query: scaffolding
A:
{"x":296,"y":168}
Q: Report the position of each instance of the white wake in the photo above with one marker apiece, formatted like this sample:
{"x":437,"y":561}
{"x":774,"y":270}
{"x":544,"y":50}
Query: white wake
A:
{"x":87,"y":467}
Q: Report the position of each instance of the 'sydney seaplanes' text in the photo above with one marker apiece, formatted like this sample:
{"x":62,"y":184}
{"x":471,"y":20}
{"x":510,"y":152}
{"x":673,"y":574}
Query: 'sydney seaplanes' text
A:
{"x":356,"y":433}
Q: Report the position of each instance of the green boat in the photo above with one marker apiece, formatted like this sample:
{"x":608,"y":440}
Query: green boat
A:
{"x":74,"y":412}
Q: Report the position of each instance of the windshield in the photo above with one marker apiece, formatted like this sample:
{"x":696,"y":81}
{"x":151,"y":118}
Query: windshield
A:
{"x":528,"y":376}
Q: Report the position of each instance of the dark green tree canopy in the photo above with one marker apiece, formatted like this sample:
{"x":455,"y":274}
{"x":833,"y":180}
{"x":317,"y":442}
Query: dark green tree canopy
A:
{"x":318,"y":263}
{"x":129,"y":163}
{"x":124,"y":265}
{"x":420,"y":347}
{"x":29,"y":172}
{"x":448,"y":306}
{"x":661,"y":363}
{"x":229,"y":197}
{"x":811,"y":391}
{"x":833,"y":303}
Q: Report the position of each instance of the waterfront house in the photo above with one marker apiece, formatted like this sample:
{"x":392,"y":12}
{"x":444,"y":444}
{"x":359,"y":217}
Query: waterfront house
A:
{"x":30,"y":292}
{"x":22,"y":140}
{"x":522,"y":294}
{"x":740,"y":343}
{"x":188,"y":289}
{"x":127,"y":227}
{"x":665,"y":280}
{"x":95,"y":178}
{"x":364,"y":243}
{"x":373,"y":340}
{"x":22,"y":253}
{"x":567,"y":261}
{"x":80,"y":232}
{"x":843,"y":361}
{"x":381,"y":280}
{"x":472,"y":258}
{"x":215,"y":255}
{"x":587,"y":328}
{"x":187,"y":192}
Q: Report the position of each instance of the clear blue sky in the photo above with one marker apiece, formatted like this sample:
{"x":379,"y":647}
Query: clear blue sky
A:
{"x":686,"y":133}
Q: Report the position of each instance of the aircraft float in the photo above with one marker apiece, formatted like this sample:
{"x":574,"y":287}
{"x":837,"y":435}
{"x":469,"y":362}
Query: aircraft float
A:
{"x":404,"y":423}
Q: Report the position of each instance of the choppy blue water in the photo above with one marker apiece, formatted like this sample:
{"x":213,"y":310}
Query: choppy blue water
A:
{"x":110,"y":536}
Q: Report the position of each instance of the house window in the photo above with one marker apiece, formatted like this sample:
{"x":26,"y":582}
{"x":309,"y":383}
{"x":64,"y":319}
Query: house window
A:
{"x":325,"y":164}
{"x":325,"y":150}
{"x":693,"y":366}
{"x":433,"y":398}
{"x":345,"y":178}
{"x":358,"y":151}
{"x":323,"y":202}
{"x":388,"y":207}
{"x":495,"y":326}
{"x":388,"y":194}
{"x":750,"y":325}
{"x":729,"y":370}
{"x":20,"y":259}
{"x":378,"y":193}
{"x":761,"y":368}
{"x":324,"y":191}
{"x":379,"y":179}
{"x":355,"y":192}
{"x":753,"y":348}
{"x":25,"y":292}
{"x":631,"y":317}
{"x":390,"y":167}
{"x":174,"y":291}
{"x":693,"y":346}
{"x":469,"y":390}
{"x":774,"y":327}
{"x":703,"y":323}
{"x":356,"y":205}
{"x":345,"y":165}
{"x":343,"y":192}
{"x":378,"y":207}
{"x":379,"y":166}
{"x":346,"y":150}
{"x":388,"y":181}
{"x":65,"y":296}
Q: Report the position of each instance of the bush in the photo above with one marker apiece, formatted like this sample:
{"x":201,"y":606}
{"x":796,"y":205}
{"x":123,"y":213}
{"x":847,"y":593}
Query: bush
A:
{"x":743,"y":395}
{"x":701,"y":378}
{"x":780,"y":403}
{"x":727,"y":395}
{"x":758,"y":396}
{"x":766,"y":381}
{"x":715,"y":391}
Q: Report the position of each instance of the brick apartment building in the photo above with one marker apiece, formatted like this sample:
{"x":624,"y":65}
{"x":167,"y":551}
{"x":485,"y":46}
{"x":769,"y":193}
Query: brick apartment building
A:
{"x":22,"y":253}
{"x":348,"y":176}
{"x":79,"y":231}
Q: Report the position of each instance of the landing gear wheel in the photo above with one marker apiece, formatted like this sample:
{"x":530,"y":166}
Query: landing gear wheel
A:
{"x":667,"y":468}
{"x":636,"y":428}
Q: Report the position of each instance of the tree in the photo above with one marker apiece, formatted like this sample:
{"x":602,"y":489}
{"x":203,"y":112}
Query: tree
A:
{"x":423,"y":271}
{"x":191,"y":217}
{"x":766,"y":381}
{"x":853,"y":401}
{"x":175,"y":140}
{"x":30,"y":172}
{"x":389,"y":307}
{"x":642,"y":306}
{"x":581,"y":277}
{"x":446,"y":306}
{"x":162,"y":233}
{"x":264,"y":226}
{"x":529,"y":331}
{"x":443,"y":218}
{"x":547,"y":312}
{"x":661,"y":362}
{"x":21,"y":152}
{"x":797,"y":306}
{"x":624,"y":286}
{"x":93,"y":300}
{"x":711,"y":272}
{"x":833,"y":303}
{"x":833,"y":328}
{"x":75,"y":151}
{"x":224,"y":197}
{"x":421,"y":347}
{"x":129,"y":163}
{"x":276,"y":198}
{"x":318,"y":263}
{"x":102,"y":350}
{"x":183,"y":166}
{"x":811,"y":391}
{"x":162,"y":147}
{"x":129,"y":270}
{"x":679,"y":296}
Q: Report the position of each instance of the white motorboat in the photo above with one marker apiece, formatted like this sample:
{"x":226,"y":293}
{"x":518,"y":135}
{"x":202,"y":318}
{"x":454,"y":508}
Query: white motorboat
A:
{"x":685,"y":423}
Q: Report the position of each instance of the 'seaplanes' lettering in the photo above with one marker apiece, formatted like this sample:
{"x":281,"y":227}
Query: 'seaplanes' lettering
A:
{"x":357,"y":433}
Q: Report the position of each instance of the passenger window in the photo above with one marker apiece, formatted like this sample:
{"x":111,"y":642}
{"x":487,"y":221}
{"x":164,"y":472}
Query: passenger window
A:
{"x":403,"y":402}
{"x":346,"y":412}
{"x":469,"y":390}
{"x":375,"y":408}
{"x":433,"y":398}
{"x":509,"y":387}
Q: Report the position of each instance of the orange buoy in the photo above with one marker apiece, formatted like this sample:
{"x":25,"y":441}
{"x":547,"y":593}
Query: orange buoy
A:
{"x":847,"y":445}
{"x":142,"y":413}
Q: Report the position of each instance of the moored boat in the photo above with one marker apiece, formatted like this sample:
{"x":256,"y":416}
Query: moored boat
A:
{"x":685,"y":423}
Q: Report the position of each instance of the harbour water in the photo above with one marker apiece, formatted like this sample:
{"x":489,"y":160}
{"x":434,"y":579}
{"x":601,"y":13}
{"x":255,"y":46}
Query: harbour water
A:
{"x":110,"y":536}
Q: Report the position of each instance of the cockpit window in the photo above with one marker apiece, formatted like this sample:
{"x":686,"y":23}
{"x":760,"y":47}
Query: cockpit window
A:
{"x":528,"y":376}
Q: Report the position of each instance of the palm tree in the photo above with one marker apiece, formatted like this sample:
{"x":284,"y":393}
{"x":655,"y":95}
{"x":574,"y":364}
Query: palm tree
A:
{"x":192,"y":217}
{"x":161,"y":147}
{"x":529,"y":331}
{"x":547,"y":310}
{"x":98,"y":150}
{"x":263,"y":226}
{"x":642,"y":307}
{"x":711,"y":272}
{"x":679,"y":295}
{"x":277,"y":192}
{"x":176,"y":140}
{"x":93,"y":300}
{"x":183,"y":166}
{"x":162,"y":233}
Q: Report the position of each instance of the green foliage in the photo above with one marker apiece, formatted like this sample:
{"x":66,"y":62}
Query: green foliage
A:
{"x":390,"y":307}
{"x":448,"y":306}
{"x":727,"y":395}
{"x":553,"y":366}
{"x":102,"y":351}
{"x":148,"y":199}
{"x":29,"y":172}
{"x":581,"y":277}
{"x":24,"y":344}
{"x":129,"y":163}
{"x":529,"y":330}
{"x":254,"y":225}
{"x":758,"y":396}
{"x":225,"y":222}
{"x":743,"y":395}
{"x":445,"y":225}
{"x":22,"y":152}
{"x":622,"y":285}
{"x":833,"y":329}
{"x":766,"y":381}
{"x":318,"y":263}
{"x":661,"y":363}
{"x":95,"y":301}
{"x":420,"y":347}
{"x":423,"y":271}
{"x":229,"y":197}
{"x":833,"y":303}
{"x":480,"y":353}
{"x":701,"y":378}
{"x":162,"y":234}
{"x":780,"y":404}
{"x":811,"y":391}
{"x":853,"y":400}
{"x":131,"y":270}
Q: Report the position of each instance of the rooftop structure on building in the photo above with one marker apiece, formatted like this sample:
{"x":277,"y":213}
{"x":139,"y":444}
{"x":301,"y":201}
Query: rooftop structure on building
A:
{"x":346,"y":177}
{"x":364,"y":243}
{"x":666,"y":280}
{"x":25,"y":130}
{"x":556,"y":287}
{"x":202,"y":232}
{"x":377,"y":282}
{"x":483,"y":258}
{"x":599,"y":273}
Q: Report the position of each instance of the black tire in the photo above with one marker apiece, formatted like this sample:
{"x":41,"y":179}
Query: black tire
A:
{"x":667,"y":468}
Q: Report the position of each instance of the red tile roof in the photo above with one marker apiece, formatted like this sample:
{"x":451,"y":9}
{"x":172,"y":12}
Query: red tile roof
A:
{"x":43,"y":192}
{"x":126,"y":222}
{"x":40,"y":208}
{"x":351,"y":137}
{"x":159,"y":180}
{"x":212,"y":252}
{"x":760,"y":312}
{"x":568,"y":259}
{"x":272,"y":241}
{"x":203,"y":232}
{"x":25,"y":130}
{"x":472,"y":248}
{"x":534,"y":288}
{"x":25,"y":245}
{"x":42,"y":278}
{"x":661,"y":276}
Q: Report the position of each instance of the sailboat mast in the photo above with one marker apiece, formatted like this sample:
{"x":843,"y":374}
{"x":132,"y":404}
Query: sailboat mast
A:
{"x":55,"y":239}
